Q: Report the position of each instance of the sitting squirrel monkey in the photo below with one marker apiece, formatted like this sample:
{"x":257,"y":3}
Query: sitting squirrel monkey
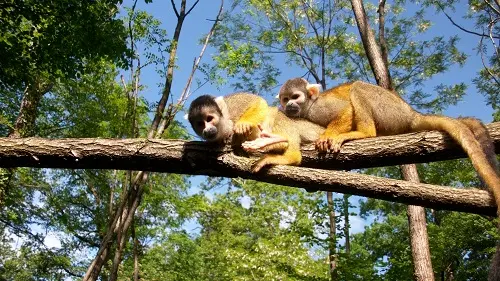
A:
{"x":361,"y":110}
{"x":246,"y":117}
{"x":235,"y":116}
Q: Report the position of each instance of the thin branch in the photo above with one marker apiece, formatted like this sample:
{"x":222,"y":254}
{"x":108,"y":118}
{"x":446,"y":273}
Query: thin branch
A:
{"x":491,"y":25}
{"x":460,"y":27}
{"x":382,"y":41}
{"x":192,"y":7}
{"x":175,"y":9}
{"x":492,"y":75}
{"x":492,"y":7}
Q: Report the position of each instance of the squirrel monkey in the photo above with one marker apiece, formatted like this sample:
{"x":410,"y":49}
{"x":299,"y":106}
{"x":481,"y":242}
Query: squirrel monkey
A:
{"x":282,"y":139}
{"x":235,"y":116}
{"x":361,"y":110}
{"x":263,"y":128}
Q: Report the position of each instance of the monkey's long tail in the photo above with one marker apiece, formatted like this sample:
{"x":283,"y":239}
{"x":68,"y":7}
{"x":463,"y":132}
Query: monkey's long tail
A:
{"x":483,"y":137}
{"x":461,"y":134}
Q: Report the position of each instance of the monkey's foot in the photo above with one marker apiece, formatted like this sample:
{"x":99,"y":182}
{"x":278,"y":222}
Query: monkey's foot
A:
{"x":259,"y":165}
{"x":262,"y":142}
{"x":243,"y":128}
{"x":329,"y":144}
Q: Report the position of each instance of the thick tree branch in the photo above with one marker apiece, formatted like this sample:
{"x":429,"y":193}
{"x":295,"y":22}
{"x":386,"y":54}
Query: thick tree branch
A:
{"x":177,"y":156}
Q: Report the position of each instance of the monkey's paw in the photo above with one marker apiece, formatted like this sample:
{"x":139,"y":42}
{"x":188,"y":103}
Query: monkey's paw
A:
{"x":259,"y":165}
{"x":243,"y":128}
{"x":329,"y":144}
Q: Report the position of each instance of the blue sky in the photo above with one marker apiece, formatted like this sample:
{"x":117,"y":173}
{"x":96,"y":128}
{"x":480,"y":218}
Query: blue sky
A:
{"x":197,"y":24}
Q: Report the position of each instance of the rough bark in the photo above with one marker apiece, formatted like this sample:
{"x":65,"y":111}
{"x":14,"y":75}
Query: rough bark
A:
{"x":136,"y":253}
{"x":158,"y":155}
{"x":332,"y":217}
{"x":126,"y":212}
{"x":23,"y":126}
{"x":379,"y":68}
{"x":494,"y":273}
{"x":197,"y":158}
{"x":332,"y":243}
{"x":422,"y":265}
{"x":347,"y":225}
{"x":379,"y":64}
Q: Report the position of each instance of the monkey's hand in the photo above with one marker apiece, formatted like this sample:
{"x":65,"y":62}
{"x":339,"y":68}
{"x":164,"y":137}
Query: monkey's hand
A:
{"x":329,"y":144}
{"x":243,"y":128}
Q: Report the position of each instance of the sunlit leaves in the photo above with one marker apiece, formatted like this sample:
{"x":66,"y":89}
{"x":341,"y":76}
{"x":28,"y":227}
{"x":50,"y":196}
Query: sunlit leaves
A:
{"x":55,"y":36}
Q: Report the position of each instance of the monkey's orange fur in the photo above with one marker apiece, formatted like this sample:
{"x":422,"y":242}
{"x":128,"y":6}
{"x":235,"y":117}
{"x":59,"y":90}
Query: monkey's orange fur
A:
{"x":360,"y":110}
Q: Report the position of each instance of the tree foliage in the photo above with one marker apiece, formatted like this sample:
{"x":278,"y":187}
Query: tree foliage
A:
{"x":53,"y":221}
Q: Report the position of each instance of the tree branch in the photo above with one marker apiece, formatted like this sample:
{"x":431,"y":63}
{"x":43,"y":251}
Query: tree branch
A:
{"x":198,"y":158}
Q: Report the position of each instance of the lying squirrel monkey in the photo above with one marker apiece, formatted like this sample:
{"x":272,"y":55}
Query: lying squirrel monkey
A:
{"x":360,"y":110}
{"x":245,"y":119}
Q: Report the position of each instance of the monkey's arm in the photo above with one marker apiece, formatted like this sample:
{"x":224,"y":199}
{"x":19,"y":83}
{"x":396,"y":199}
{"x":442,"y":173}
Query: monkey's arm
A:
{"x":353,"y":122}
{"x":253,"y":116}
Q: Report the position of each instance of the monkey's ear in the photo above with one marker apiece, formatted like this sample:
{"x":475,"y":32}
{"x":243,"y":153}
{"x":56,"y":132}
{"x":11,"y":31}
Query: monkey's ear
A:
{"x":222,"y":106}
{"x":186,"y":116}
{"x":278,"y":96}
{"x":313,"y":90}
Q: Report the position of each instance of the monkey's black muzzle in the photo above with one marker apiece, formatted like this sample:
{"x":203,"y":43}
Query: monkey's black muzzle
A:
{"x":292,"y":110}
{"x":209,"y":133}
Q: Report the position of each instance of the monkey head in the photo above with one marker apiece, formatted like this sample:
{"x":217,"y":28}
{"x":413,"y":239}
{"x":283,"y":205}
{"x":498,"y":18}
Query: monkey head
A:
{"x":209,"y":118}
{"x":296,"y":95}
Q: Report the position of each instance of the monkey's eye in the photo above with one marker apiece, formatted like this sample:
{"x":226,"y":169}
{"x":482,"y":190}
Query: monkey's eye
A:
{"x":210,"y":118}
{"x":285,"y":100}
{"x":296,"y":96}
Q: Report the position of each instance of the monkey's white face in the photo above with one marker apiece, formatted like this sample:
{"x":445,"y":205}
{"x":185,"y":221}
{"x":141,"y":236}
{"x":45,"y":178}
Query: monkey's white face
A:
{"x":208,"y":124}
{"x":293,"y":102}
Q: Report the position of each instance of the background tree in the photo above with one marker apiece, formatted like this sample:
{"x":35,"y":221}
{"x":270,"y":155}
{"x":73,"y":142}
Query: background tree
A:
{"x":313,"y":36}
{"x":55,"y":221}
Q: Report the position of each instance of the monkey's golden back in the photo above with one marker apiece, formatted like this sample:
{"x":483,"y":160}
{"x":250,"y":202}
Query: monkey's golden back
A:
{"x":391,"y":114}
{"x":297,"y":130}
{"x":239,"y":103}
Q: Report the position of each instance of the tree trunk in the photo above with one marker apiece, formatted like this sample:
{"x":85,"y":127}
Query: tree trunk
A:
{"x":422,"y":265}
{"x":136,"y":253}
{"x":332,"y":241}
{"x":135,"y":196}
{"x":347,"y":225}
{"x":379,"y":68}
{"x":494,"y":273}
{"x":416,"y":215}
{"x":24,"y":125}
{"x":332,"y":217}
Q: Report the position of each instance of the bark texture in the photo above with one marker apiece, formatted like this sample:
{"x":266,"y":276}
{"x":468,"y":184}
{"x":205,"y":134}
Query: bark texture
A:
{"x":422,"y":265}
{"x":198,"y":158}
{"x":158,"y":155}
{"x":380,"y":68}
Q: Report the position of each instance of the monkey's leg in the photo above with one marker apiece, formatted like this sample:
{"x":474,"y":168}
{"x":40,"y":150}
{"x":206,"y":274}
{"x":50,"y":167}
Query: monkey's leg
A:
{"x":251,"y":118}
{"x":292,"y":156}
{"x":362,"y":122}
{"x":271,"y":143}
{"x":342,"y":123}
{"x":361,"y":119}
